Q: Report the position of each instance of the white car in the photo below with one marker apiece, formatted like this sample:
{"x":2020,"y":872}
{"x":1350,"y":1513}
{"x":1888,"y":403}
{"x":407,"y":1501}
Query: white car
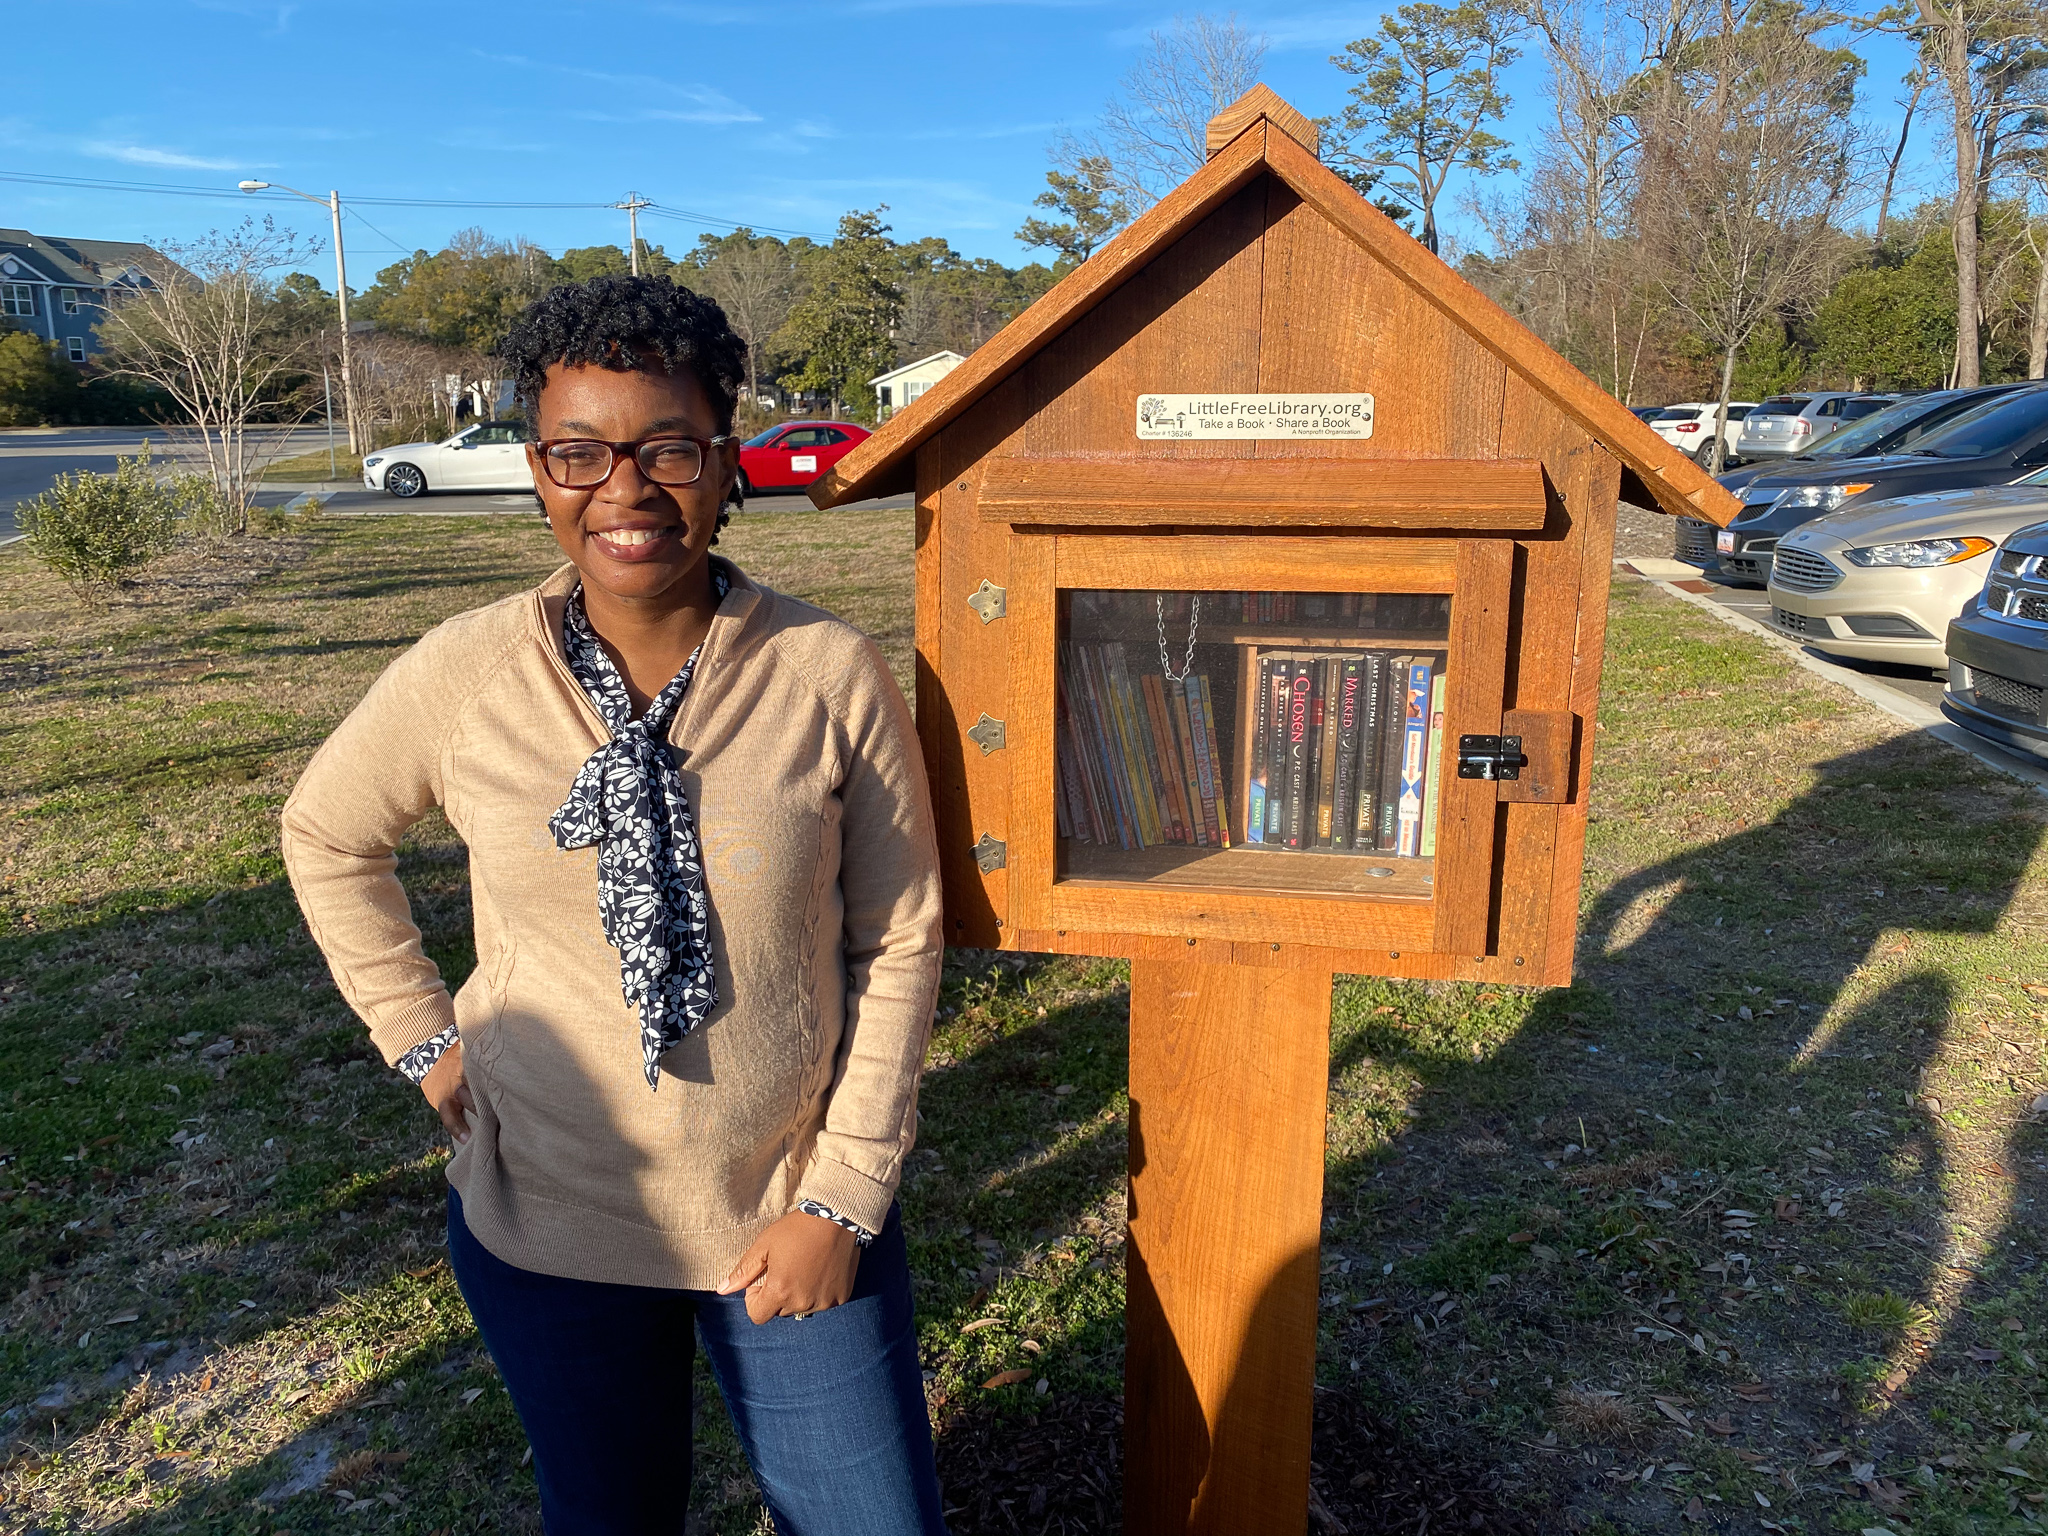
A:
{"x":1880,"y":583}
{"x":1691,"y":426}
{"x":485,"y":456}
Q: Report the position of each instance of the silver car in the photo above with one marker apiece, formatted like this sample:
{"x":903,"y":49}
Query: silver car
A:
{"x":1880,"y":583}
{"x":1788,"y":424}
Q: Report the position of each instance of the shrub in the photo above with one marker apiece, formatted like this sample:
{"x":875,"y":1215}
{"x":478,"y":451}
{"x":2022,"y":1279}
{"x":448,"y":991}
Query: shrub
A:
{"x":97,"y":531}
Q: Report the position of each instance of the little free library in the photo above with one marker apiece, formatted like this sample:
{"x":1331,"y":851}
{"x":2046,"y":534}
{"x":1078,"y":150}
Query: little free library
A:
{"x":1261,"y":584}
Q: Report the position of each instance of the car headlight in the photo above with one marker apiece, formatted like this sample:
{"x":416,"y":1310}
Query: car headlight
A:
{"x":1825,"y":498}
{"x":372,"y":463}
{"x":1919,"y":552}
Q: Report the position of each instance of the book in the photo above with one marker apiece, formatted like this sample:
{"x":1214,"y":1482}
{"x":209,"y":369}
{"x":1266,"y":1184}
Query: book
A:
{"x":1393,"y":697}
{"x":1275,"y":704}
{"x":1331,"y":669}
{"x":1414,"y":755}
{"x":1345,"y":787}
{"x":1371,"y":688}
{"x":1300,"y":700}
{"x":1190,"y":766}
{"x":1433,"y":766}
{"x":1215,"y":802}
{"x":1164,"y":761}
{"x":1138,"y":774}
{"x":1109,"y":750}
{"x":1255,"y":783}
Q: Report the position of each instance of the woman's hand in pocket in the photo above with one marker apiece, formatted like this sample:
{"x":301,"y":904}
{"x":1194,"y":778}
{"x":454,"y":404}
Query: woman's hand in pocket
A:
{"x":802,"y":1264}
{"x":447,"y":1089}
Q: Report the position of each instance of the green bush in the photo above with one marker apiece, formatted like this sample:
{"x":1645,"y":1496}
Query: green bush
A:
{"x":97,"y":531}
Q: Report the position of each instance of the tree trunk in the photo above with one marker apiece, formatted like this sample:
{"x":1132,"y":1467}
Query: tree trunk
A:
{"x":1721,"y":413}
{"x":1962,"y":106}
{"x":2037,"y":333}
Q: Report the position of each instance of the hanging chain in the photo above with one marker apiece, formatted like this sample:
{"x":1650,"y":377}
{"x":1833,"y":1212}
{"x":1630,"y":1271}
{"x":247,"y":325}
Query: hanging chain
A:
{"x":1187,"y":664}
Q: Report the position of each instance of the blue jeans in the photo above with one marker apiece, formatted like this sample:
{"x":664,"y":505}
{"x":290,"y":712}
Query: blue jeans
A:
{"x":829,"y":1408}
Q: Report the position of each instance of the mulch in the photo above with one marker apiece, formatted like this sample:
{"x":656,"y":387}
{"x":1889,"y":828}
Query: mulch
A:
{"x":1060,"y":1471}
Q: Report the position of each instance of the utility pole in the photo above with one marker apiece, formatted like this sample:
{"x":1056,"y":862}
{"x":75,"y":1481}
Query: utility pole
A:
{"x":631,"y":207}
{"x":333,"y":202}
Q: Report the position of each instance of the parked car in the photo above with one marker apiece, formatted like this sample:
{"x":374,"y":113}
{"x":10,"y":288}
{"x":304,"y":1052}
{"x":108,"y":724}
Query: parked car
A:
{"x":485,"y":456}
{"x":1881,"y":583}
{"x":1691,"y":426}
{"x":791,"y":456}
{"x":1787,"y":424}
{"x":1898,"y":427}
{"x":1993,"y":443}
{"x":1998,"y":649}
{"x":1644,"y":412}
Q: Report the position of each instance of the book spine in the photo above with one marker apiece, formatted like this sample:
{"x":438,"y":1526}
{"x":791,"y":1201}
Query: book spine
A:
{"x":1387,"y":834}
{"x":1365,"y":817}
{"x":1216,"y":808}
{"x":1108,"y":752}
{"x":1205,"y":780}
{"x":1275,"y":706}
{"x":1159,"y":746}
{"x":1414,"y":748}
{"x":1151,"y":831}
{"x":1083,"y":808}
{"x":1186,"y":762}
{"x":1346,"y":786}
{"x":1433,"y":766}
{"x":1332,"y":669}
{"x":1255,"y":786}
{"x":1300,"y":698}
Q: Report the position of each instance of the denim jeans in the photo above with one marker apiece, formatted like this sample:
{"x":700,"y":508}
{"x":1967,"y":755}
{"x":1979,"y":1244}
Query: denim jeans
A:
{"x":829,"y":1408}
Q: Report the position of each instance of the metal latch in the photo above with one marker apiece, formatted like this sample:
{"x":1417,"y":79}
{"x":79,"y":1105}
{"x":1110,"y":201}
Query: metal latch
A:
{"x":988,"y":734}
{"x":991,"y":855}
{"x":1490,"y":757}
{"x":989,"y":600}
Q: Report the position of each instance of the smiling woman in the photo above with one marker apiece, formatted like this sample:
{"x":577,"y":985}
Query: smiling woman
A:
{"x":682,"y":1079}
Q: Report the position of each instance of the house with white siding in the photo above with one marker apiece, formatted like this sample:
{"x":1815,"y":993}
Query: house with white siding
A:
{"x":900,"y":386}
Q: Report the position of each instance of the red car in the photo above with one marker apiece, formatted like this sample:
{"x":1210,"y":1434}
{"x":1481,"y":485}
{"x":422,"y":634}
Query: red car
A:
{"x":791,"y":456}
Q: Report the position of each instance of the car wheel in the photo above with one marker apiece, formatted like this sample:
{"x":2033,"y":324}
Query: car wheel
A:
{"x":743,"y":485}
{"x":1704,"y":456}
{"x":404,"y":481}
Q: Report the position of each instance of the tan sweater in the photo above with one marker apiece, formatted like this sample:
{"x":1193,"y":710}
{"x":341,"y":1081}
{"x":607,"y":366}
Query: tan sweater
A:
{"x":798,"y":756}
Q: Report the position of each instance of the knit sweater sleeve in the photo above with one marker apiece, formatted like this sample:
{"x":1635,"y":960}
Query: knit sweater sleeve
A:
{"x":379,"y":773}
{"x":889,"y":879}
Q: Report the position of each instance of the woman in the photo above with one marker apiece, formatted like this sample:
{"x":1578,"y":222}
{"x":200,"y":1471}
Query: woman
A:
{"x":683,"y":1076}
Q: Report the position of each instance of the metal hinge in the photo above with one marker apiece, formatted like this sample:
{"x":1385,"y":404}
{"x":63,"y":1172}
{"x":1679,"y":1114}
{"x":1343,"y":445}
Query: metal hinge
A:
{"x":991,"y":855}
{"x":989,"y":600}
{"x":1490,"y":757}
{"x":988,"y":734}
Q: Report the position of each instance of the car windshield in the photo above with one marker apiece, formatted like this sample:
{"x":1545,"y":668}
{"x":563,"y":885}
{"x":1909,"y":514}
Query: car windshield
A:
{"x":1677,"y":413}
{"x":1782,"y":405}
{"x":760,"y":437}
{"x":1922,"y":414}
{"x":1992,"y":428}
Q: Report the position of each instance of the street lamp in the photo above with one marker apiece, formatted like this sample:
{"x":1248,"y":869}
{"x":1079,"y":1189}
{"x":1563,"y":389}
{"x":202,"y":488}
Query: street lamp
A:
{"x":333,"y":202}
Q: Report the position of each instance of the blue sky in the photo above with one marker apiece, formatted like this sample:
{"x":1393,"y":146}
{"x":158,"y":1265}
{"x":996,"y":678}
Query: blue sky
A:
{"x":781,"y":116}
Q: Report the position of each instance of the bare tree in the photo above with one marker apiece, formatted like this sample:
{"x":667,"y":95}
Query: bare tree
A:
{"x":1749,"y":157}
{"x":1154,"y":130}
{"x":1978,"y":51}
{"x":1916,"y":84}
{"x":210,"y":333}
{"x":753,"y":279}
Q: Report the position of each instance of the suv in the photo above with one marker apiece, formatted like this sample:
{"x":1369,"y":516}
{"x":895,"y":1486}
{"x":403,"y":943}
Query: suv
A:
{"x":1787,"y":424}
{"x":1994,"y":442}
{"x":1998,"y":649}
{"x":1691,"y":427}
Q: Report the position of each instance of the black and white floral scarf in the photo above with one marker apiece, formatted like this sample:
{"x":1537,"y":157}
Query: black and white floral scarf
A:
{"x":628,"y":801}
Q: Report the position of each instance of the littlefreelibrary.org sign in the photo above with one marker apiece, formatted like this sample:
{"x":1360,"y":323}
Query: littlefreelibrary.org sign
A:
{"x":1187,"y":418}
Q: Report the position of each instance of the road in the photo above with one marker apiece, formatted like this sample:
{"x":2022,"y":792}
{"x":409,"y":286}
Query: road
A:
{"x":30,"y":460}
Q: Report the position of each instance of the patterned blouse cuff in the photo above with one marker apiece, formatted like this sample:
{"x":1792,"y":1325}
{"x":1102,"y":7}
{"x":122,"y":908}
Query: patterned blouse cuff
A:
{"x":861,"y":1234}
{"x":416,"y":1063}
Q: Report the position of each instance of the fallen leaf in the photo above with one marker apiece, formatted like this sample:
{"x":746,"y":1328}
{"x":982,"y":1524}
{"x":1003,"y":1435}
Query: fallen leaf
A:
{"x":423,"y":1271}
{"x":2013,"y":1325}
{"x":1754,"y":1391}
{"x":1827,"y":1458}
{"x":1063,"y":1090}
{"x":1006,"y":1379}
{"x":2017,"y":1443}
{"x":471,"y":1395}
{"x":1898,"y":1377}
{"x":978,"y":1324}
{"x":125,"y":1317}
{"x":1721,"y":1426}
{"x":1521,"y":1237}
{"x":1032,"y":1347}
{"x":1677,"y":1416}
{"x":1760,"y":1498}
{"x":1787,"y":1208}
{"x":1543,"y":1253}
{"x":1984,"y":1356}
{"x":1695,"y":1510}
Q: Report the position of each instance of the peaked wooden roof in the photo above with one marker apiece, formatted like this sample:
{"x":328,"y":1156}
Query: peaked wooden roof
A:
{"x":1267,"y":144}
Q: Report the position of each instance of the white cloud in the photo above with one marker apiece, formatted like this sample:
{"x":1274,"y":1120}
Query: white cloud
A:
{"x":170,"y":159}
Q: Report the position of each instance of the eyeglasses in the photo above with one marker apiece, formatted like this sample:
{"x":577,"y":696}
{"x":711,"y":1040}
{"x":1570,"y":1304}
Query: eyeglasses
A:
{"x":580,"y":464}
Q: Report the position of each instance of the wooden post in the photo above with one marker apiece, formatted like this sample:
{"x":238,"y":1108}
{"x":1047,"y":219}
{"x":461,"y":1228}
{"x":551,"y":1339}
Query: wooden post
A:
{"x":1229,"y":1085}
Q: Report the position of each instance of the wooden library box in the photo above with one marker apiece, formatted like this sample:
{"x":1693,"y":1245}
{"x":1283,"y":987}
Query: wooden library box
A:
{"x":1261,"y":579}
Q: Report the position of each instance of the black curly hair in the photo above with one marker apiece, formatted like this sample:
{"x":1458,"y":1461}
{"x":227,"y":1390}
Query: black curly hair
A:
{"x":624,"y":323}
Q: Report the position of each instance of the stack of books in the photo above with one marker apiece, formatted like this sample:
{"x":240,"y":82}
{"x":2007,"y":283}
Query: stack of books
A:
{"x":1139,"y":761}
{"x":1344,"y":751}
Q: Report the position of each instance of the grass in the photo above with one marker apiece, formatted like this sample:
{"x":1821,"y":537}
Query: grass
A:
{"x":313,"y":467}
{"x":1752,"y":1211}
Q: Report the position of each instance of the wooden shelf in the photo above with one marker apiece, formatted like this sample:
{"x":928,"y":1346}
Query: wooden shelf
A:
{"x":1252,"y":871}
{"x":1304,"y":638}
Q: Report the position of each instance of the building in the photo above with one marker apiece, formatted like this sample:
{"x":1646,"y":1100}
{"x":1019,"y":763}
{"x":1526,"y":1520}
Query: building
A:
{"x":58,"y":289}
{"x":900,"y":386}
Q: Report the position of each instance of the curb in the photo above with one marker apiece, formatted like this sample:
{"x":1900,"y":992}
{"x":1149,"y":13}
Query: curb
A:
{"x":1899,"y":706}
